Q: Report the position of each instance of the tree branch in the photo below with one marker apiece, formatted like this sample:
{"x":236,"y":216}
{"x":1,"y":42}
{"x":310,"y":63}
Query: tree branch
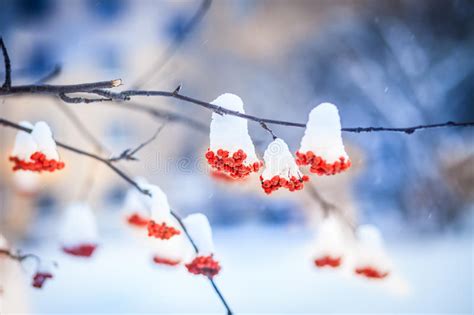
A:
{"x":8,"y":68}
{"x":129,"y":154}
{"x":163,"y":60}
{"x":109,"y":164}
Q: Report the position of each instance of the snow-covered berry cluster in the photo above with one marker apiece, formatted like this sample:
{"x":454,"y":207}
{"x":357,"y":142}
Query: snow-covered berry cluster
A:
{"x":40,"y":278}
{"x":78,"y":231}
{"x":280,"y":170}
{"x":363,"y":253}
{"x":321,"y":146}
{"x":231,"y":150}
{"x":170,"y":246}
{"x":203,"y":262}
{"x":35,"y":151}
{"x":233,"y":165}
{"x":135,"y":219}
{"x":204,"y":265}
{"x":330,"y":245}
{"x":161,"y":230}
{"x":232,"y":153}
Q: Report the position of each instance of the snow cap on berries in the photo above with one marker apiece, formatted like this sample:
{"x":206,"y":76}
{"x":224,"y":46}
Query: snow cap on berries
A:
{"x":321,"y":146}
{"x":331,"y":243}
{"x":199,"y":229}
{"x":371,"y":259}
{"x":161,"y":224}
{"x":231,"y":149}
{"x":3,"y":242}
{"x":280,"y":168}
{"x":171,"y":252}
{"x":25,"y":144}
{"x":44,"y":139}
{"x":136,"y":207}
{"x":26,"y":182}
{"x":35,"y":151}
{"x":78,"y":230}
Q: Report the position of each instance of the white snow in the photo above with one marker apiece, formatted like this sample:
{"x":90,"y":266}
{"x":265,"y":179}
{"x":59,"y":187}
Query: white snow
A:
{"x":332,"y":239}
{"x":323,"y":134}
{"x":176,"y":248}
{"x":279,"y":161}
{"x":158,"y":204}
{"x":3,"y":242}
{"x":229,"y":132}
{"x":44,"y":139}
{"x":200,"y":231}
{"x":78,"y":226}
{"x":40,"y":139}
{"x":135,"y":201}
{"x":25,"y":145}
{"x":369,"y":249}
{"x":26,"y":182}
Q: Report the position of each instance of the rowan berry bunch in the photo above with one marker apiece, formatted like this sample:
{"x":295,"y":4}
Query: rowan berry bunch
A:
{"x":161,"y":230}
{"x":321,"y":167}
{"x":38,"y":163}
{"x":204,"y":265}
{"x":231,"y":164}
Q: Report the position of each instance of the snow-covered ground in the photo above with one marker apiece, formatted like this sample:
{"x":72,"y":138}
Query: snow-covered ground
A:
{"x":264,"y":270}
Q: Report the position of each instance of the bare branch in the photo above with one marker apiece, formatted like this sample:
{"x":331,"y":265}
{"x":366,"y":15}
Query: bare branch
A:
{"x":8,"y":68}
{"x":53,"y":74}
{"x":109,"y":164}
{"x":129,"y":154}
{"x":81,"y":127}
{"x":163,"y":60}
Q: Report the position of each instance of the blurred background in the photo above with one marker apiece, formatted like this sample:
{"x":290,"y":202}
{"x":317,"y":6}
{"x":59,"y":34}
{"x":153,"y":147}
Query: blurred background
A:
{"x":384,"y":63}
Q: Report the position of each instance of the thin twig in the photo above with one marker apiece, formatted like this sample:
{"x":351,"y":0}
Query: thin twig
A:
{"x":109,"y":164}
{"x":129,"y":154}
{"x":84,"y":131}
{"x":8,"y":68}
{"x":53,"y":74}
{"x":19,"y":257}
{"x":163,"y":60}
{"x":264,"y":126}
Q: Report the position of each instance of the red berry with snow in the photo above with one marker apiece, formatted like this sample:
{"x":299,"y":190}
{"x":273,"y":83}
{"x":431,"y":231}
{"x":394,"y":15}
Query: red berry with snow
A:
{"x":204,"y":265}
{"x":165,"y":261}
{"x":161,"y":231}
{"x":231,"y":150}
{"x":328,"y":261}
{"x":39,"y":279}
{"x":320,"y":166}
{"x":321,"y":146}
{"x":135,"y":219}
{"x":371,"y":272}
{"x":81,"y":250}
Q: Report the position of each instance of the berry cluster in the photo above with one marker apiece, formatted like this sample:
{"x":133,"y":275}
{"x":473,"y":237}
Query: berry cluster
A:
{"x":137,"y":220}
{"x":320,"y":166}
{"x":233,"y":165}
{"x":82,"y":250}
{"x":276,"y":182}
{"x":165,"y":261}
{"x":161,"y":231}
{"x":39,"y":278}
{"x":328,"y":261}
{"x":204,"y":265}
{"x":40,"y":163}
{"x":371,"y":272}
